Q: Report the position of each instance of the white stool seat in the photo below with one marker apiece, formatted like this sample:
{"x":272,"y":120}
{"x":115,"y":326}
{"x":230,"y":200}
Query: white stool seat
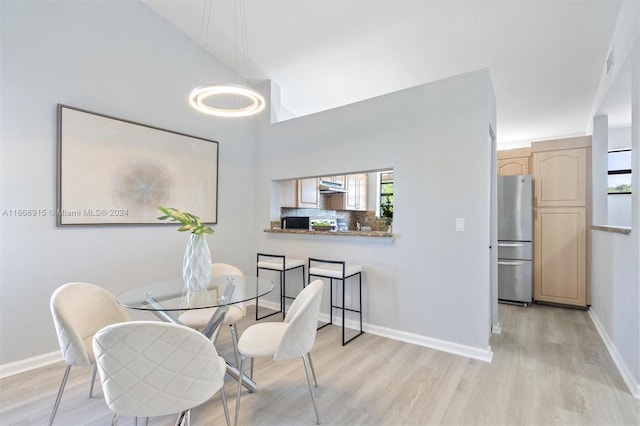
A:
{"x":333,"y":270}
{"x":277,"y":264}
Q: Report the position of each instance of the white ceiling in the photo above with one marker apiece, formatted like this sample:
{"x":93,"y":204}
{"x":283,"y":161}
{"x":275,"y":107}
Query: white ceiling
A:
{"x":545,"y":57}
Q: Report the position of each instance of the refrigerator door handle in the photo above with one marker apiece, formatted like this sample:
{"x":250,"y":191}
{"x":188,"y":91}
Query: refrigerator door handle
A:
{"x":510,"y":245}
{"x":510,"y":262}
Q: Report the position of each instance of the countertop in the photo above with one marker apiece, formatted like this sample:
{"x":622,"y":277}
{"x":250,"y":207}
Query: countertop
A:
{"x":379,"y":234}
{"x":616,"y":229}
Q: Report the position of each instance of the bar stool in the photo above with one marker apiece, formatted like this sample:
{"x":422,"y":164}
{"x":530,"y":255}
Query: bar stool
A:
{"x":279,"y":263}
{"x":339,"y":271}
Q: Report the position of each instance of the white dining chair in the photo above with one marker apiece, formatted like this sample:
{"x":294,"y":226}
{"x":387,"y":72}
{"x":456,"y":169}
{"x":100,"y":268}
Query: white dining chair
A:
{"x":199,"y":318}
{"x":290,"y":339}
{"x":79,"y":310}
{"x":153,"y":368}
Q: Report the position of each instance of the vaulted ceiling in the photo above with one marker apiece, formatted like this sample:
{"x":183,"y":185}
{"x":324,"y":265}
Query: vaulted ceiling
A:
{"x":545,"y":57}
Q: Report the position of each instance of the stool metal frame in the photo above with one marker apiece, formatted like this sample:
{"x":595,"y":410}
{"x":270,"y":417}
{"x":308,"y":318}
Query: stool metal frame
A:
{"x":283,"y":287}
{"x":343,"y":308}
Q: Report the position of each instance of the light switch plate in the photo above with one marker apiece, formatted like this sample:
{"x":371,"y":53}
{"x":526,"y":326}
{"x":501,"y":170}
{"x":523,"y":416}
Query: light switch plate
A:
{"x":460,"y":224}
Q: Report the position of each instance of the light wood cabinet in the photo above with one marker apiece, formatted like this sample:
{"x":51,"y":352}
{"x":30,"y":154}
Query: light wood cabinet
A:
{"x":304,"y":193}
{"x":289,"y":193}
{"x":514,"y":162}
{"x":561,"y":176}
{"x":308,"y":196}
{"x":356,"y":196}
{"x":560,"y":249}
{"x":513,"y":166}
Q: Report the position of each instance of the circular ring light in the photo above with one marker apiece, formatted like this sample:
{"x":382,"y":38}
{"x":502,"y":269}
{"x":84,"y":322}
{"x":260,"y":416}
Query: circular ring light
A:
{"x":200,"y":94}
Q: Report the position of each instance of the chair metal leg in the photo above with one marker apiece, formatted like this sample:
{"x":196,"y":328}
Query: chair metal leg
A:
{"x":60,"y":391}
{"x":251,"y":370}
{"x":242,"y":358}
{"x":283,"y":298}
{"x":114,"y":419}
{"x":305,"y":359}
{"x":313,"y":372}
{"x":234,"y":341}
{"x":224,"y":406}
{"x":184,"y":418}
{"x":93,"y":379}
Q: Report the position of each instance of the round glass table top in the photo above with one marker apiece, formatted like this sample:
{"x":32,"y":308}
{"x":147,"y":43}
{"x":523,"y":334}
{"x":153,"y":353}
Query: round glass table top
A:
{"x":173,"y":295}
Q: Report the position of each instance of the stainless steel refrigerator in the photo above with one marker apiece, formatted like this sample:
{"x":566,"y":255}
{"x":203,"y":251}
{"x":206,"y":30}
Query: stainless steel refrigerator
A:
{"x":515,"y":229}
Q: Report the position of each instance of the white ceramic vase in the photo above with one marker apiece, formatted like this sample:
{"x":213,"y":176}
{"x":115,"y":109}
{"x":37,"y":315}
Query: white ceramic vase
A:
{"x":196,"y":265}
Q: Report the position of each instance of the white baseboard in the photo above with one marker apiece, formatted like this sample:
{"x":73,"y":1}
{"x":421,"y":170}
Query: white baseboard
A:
{"x":441,"y":345}
{"x":485,"y":355}
{"x":626,"y":374}
{"x":23,"y":365}
{"x":496,"y":329}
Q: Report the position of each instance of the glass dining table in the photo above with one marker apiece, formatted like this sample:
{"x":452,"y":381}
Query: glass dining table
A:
{"x":168,"y":299}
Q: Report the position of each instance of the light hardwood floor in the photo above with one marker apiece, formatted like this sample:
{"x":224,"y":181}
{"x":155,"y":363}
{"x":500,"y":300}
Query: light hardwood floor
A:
{"x":549,"y":367}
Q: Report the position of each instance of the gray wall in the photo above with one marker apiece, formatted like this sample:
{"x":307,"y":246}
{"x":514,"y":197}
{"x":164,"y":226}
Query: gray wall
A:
{"x":116,"y":58}
{"x":431,"y":281}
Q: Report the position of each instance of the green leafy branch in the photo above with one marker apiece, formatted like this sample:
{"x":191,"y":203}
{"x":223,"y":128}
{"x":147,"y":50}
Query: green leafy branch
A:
{"x":189,"y":222}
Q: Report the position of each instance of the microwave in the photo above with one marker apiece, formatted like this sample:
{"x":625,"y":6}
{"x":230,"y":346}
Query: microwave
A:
{"x":295,"y":222}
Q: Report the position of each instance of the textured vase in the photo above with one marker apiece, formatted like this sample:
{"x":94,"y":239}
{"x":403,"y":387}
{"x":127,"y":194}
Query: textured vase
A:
{"x":196,"y":266}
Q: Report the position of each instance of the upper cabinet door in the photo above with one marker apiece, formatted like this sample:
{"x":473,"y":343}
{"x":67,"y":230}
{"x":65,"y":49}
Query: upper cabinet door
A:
{"x":308,"y":193}
{"x":514,"y":162}
{"x":356,"y":197}
{"x":560,"y":178}
{"x":513,"y":166}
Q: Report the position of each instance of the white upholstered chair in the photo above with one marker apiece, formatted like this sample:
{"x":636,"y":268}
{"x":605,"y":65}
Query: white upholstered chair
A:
{"x":153,"y":368}
{"x":79,"y":310}
{"x":199,"y":318}
{"x":286,"y":340}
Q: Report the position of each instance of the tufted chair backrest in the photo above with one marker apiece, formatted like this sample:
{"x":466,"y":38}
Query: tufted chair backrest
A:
{"x":79,"y":310}
{"x":152,"y":368}
{"x":302,"y":320}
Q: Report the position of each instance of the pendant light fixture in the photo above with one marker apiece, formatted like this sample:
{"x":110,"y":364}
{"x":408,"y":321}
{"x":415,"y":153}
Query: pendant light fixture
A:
{"x":228,"y":100}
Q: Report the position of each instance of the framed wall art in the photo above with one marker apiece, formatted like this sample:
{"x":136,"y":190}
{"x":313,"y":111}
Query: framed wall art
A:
{"x":114,"y":171}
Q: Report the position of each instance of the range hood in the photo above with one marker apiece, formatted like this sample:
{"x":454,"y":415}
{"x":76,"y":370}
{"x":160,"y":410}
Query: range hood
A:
{"x":328,"y":187}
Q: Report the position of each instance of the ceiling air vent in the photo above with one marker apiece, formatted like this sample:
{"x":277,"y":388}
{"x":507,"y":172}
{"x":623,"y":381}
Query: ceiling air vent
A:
{"x":610,"y":61}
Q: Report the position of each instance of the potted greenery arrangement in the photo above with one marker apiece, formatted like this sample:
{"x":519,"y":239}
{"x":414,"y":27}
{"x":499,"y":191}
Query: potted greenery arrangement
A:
{"x":196,"y":264}
{"x":387,"y":212}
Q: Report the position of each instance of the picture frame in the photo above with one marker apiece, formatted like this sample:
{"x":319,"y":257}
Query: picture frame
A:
{"x":113,"y":171}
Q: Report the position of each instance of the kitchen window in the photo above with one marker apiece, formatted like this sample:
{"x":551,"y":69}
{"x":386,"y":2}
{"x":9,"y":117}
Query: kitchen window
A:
{"x":619,"y":169}
{"x":386,"y":195}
